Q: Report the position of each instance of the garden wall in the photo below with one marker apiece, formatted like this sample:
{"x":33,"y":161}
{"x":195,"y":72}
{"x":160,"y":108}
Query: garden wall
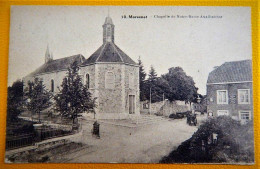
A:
{"x":165,"y":108}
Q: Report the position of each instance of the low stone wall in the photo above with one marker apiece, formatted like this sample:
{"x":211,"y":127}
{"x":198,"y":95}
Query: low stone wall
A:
{"x":112,"y":116}
{"x":165,"y":108}
{"x":43,"y":145}
{"x":155,"y":107}
{"x":49,"y":123}
{"x":172,"y":107}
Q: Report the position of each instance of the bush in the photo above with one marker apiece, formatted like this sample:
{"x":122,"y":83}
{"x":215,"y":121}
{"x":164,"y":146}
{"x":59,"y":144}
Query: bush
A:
{"x":235,"y":143}
{"x":19,"y":127}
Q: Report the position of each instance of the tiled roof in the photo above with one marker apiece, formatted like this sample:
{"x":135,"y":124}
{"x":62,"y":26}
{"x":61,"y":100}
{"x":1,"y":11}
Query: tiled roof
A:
{"x":58,"y":64}
{"x":236,"y":71}
{"x":109,"y":52}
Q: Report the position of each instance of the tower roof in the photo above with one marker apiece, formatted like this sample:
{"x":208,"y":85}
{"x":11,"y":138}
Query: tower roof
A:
{"x":108,"y":20}
{"x":109,"y":52}
{"x":47,"y":53}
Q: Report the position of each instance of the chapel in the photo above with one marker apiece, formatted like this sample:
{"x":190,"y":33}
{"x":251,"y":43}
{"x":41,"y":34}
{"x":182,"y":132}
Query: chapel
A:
{"x":110,"y":75}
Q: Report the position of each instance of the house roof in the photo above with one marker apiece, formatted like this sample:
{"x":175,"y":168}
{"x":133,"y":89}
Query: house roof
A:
{"x":109,"y":52}
{"x":58,"y":64}
{"x":237,"y":71}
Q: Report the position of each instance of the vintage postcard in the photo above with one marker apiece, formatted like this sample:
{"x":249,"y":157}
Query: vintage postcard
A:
{"x":130,"y":84}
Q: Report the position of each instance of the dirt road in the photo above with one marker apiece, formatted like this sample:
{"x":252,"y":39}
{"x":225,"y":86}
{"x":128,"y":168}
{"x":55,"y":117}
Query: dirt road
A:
{"x":147,"y":144}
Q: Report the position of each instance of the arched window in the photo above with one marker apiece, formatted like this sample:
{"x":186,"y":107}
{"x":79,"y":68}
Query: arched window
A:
{"x":52,"y":85}
{"x":109,"y":80}
{"x":87,"y":80}
{"x":131,"y":80}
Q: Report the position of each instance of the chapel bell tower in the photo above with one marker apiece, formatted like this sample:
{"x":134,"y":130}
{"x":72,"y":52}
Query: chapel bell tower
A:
{"x":108,"y":30}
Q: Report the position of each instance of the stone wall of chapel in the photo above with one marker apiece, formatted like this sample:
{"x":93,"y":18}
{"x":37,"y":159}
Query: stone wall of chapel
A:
{"x":59,"y":76}
{"x":109,"y":100}
{"x":91,"y":71}
{"x":46,"y":78}
{"x":132,"y":91}
{"x":114,"y":100}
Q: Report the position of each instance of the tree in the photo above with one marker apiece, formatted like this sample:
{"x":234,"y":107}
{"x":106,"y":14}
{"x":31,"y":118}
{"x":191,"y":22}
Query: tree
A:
{"x":73,"y":98}
{"x":181,"y":86}
{"x":15,"y":101}
{"x":154,"y":86}
{"x":142,"y":76}
{"x":38,"y":98}
{"x":152,"y":75}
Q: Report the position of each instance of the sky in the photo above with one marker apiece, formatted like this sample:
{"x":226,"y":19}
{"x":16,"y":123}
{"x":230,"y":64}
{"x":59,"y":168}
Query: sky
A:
{"x":195,"y":44}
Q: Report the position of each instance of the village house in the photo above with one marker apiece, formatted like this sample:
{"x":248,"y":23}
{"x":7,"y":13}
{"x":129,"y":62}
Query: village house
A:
{"x":229,"y":90}
{"x":111,"y":76}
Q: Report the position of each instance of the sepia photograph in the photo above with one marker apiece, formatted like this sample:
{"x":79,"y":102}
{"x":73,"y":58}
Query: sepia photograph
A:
{"x":130,"y":84}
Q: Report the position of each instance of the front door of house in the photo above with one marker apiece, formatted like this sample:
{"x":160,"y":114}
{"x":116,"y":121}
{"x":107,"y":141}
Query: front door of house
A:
{"x":131,"y":104}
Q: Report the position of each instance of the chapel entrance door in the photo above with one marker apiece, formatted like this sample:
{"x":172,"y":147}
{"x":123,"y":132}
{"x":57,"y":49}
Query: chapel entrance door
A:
{"x":131,"y":104}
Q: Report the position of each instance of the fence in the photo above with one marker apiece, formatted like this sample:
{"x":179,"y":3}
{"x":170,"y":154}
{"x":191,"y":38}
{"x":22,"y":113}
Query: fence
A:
{"x":19,"y":141}
{"x":52,"y":133}
{"x":13,"y":142}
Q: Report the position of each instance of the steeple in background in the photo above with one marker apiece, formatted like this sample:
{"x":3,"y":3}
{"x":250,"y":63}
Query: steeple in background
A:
{"x":48,"y":55}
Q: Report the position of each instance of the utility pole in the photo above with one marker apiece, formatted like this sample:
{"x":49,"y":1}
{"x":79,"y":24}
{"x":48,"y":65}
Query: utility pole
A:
{"x":163,"y":98}
{"x":163,"y":104}
{"x":150,"y":100}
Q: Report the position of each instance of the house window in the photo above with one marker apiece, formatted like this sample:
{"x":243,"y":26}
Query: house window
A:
{"x":131,"y":80}
{"x":244,"y":116}
{"x":109,"y":80}
{"x":243,"y":96}
{"x":222,"y":97}
{"x":222,"y":113}
{"x":52,"y":85}
{"x":87,"y":80}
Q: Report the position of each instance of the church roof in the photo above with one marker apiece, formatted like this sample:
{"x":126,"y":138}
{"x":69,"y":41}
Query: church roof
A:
{"x":236,"y":71}
{"x":58,"y":64}
{"x":109,"y":52}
